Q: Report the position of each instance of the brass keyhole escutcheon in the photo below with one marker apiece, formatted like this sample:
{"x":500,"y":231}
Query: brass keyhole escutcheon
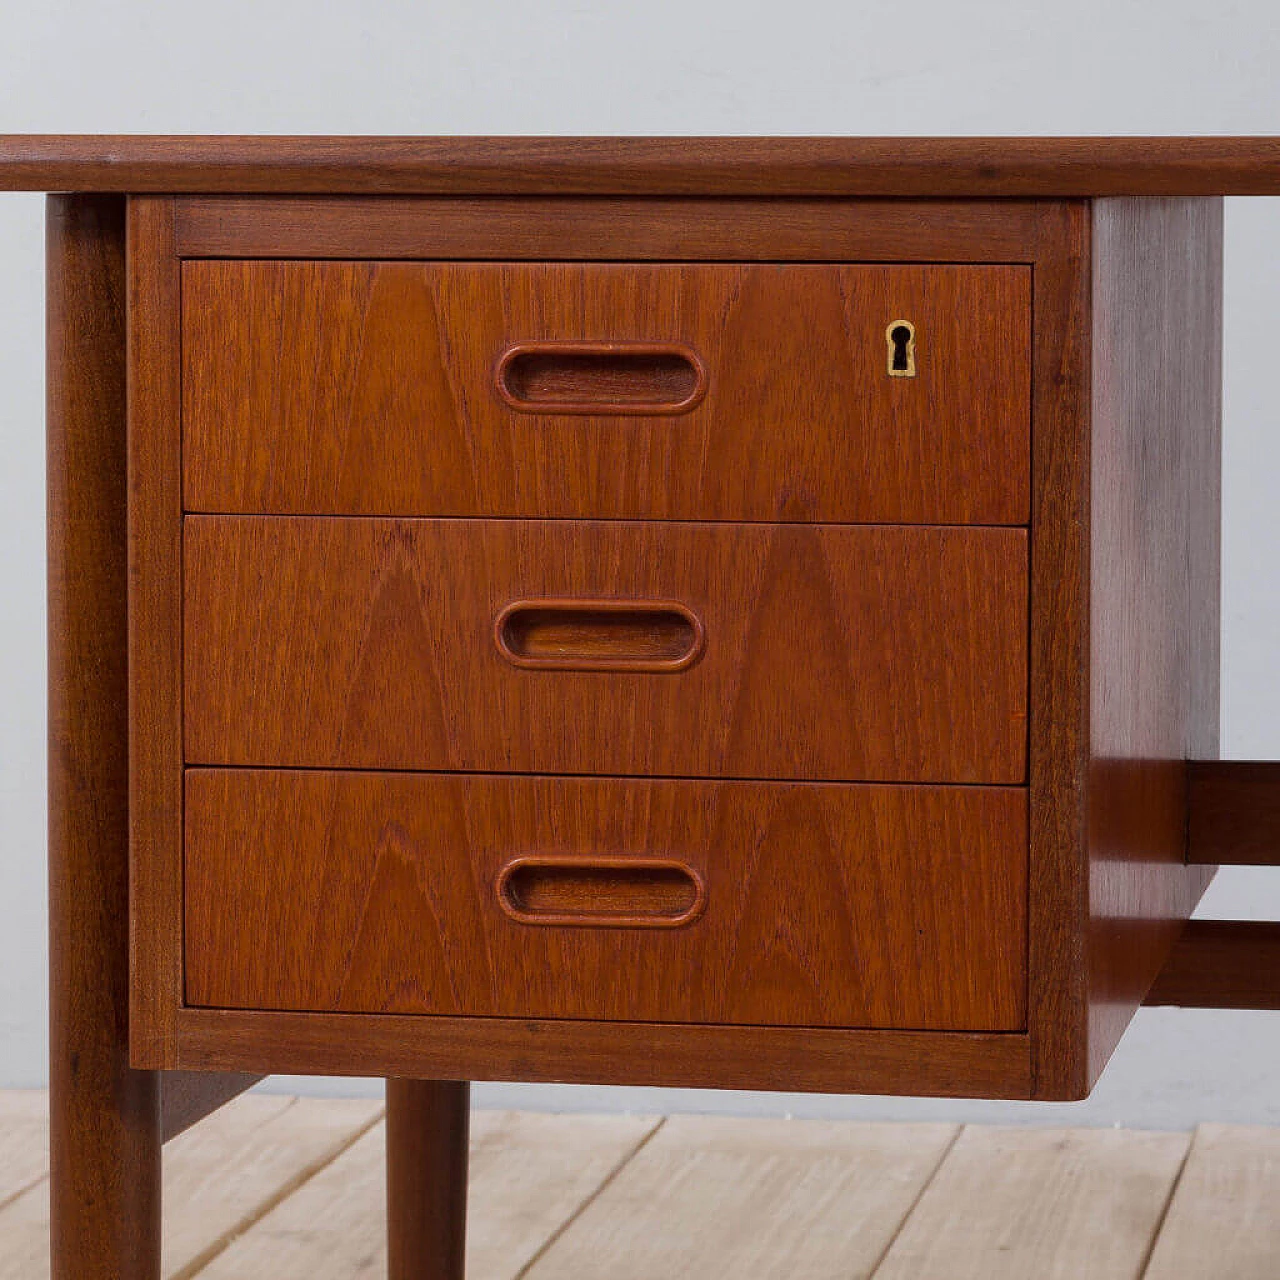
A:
{"x":901,"y":339}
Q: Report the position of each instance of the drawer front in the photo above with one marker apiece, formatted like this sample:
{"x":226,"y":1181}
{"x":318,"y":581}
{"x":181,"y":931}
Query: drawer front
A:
{"x":692,"y":650}
{"x":720,"y":392}
{"x":663,"y":901}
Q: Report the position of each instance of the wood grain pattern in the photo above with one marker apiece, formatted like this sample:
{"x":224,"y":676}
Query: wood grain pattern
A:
{"x":1067,"y":793}
{"x":1058,"y":724}
{"x":105,"y":1117}
{"x":632,"y":1196}
{"x":427,"y":1147}
{"x":895,"y":166}
{"x":369,"y":389}
{"x":250,"y":1154}
{"x":658,"y":230}
{"x":218,"y":1180}
{"x":529,"y":1175}
{"x":1235,"y":813}
{"x":379,"y":894}
{"x":155,"y":633}
{"x":372,"y":646}
{"x":616,"y":229}
{"x":1222,"y":964}
{"x":752,"y":1200}
{"x":1051,"y":1203}
{"x":943,"y":1064}
{"x":1198,"y":281}
{"x":1157,"y":305}
{"x":715,"y":1196}
{"x":1124,"y":601}
{"x":1222,"y":1220}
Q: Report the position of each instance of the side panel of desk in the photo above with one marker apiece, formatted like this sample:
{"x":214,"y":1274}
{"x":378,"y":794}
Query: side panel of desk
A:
{"x":1154,"y":574}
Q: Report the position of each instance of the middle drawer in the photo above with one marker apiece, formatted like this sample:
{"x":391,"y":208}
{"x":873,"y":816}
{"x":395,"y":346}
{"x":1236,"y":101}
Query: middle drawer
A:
{"x":820,"y":652}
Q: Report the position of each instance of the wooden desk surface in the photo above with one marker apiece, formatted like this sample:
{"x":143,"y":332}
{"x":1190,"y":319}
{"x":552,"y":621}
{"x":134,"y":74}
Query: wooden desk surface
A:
{"x":964,"y":167}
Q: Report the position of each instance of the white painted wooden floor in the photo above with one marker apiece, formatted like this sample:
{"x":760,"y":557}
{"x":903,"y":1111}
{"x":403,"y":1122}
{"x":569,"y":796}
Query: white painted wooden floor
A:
{"x":293,"y":1189}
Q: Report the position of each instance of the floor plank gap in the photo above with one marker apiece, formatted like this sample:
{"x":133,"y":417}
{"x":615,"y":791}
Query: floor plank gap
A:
{"x":1222,"y":1220}
{"x":1168,"y":1204}
{"x":304,"y":1175}
{"x":9,"y":1197}
{"x":277,"y":1186}
{"x":609,"y":1179}
{"x":924,"y":1187}
{"x":24,"y":1143}
{"x":1056,"y":1204}
{"x":730,"y":1199}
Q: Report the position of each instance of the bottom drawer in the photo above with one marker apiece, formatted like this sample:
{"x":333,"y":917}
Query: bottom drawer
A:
{"x":642,"y":900}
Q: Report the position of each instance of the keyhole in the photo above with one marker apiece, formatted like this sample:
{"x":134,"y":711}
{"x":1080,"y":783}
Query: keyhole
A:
{"x":901,"y":337}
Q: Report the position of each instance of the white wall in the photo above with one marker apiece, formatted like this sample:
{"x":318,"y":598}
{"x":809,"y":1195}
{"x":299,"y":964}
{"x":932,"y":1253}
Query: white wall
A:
{"x":733,"y":66}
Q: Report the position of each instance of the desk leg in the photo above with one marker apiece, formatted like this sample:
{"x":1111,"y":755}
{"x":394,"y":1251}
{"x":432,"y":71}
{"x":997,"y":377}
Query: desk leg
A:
{"x":104,"y":1117}
{"x":428,"y":1123}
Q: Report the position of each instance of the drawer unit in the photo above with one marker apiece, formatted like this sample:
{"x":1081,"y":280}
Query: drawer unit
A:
{"x":695,"y":392}
{"x":694,"y":650}
{"x":731,"y":902}
{"x":691,"y":642}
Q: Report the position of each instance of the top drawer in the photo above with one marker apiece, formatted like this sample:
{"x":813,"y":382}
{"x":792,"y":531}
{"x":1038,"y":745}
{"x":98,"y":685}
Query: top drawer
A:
{"x":711,"y":392}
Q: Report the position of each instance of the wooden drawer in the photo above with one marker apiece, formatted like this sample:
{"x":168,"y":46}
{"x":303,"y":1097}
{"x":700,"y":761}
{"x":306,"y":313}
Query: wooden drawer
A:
{"x":698,"y":650}
{"x":699,"y":391}
{"x":609,"y":899}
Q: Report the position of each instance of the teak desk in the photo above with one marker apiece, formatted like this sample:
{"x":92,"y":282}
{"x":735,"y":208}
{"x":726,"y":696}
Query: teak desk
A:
{"x":736,"y":613}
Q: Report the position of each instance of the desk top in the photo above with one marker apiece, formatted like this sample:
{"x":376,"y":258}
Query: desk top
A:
{"x":952,"y":167}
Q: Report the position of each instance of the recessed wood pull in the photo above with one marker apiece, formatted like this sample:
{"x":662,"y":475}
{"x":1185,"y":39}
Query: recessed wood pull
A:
{"x":601,"y":377}
{"x":599,"y":635}
{"x":613,"y":893}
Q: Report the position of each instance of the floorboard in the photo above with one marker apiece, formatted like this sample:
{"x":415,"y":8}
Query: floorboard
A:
{"x":1054,"y":1204}
{"x":530,"y":1174}
{"x":24,"y":1142}
{"x":1225,"y":1215}
{"x":294,"y":1190}
{"x":219,"y":1177}
{"x":752,"y":1200}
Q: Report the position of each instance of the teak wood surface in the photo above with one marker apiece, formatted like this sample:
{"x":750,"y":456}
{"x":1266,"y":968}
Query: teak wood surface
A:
{"x":567,"y":423}
{"x":1072,"y":261}
{"x":428,"y":1124}
{"x":1235,"y":813}
{"x":650,"y":228}
{"x":368,"y":388}
{"x":1057,"y":711}
{"x":957,"y":167}
{"x":1048,"y":239}
{"x":364,"y":643}
{"x":946,"y":1064}
{"x":105,"y":1117}
{"x":154,"y":532}
{"x":834,"y":906}
{"x":1154,"y":585}
{"x":1222,"y":964}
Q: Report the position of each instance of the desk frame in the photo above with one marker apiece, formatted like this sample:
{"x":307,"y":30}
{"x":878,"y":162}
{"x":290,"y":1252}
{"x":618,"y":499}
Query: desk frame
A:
{"x":109,"y":1121}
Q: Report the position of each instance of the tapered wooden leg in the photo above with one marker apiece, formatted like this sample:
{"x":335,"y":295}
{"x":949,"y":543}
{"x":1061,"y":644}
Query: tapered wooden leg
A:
{"x":428,"y":1122}
{"x":104,"y":1118}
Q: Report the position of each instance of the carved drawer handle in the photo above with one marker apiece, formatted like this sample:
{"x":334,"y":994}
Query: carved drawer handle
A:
{"x":599,"y":635}
{"x":601,"y":377}
{"x":614,"y":893}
